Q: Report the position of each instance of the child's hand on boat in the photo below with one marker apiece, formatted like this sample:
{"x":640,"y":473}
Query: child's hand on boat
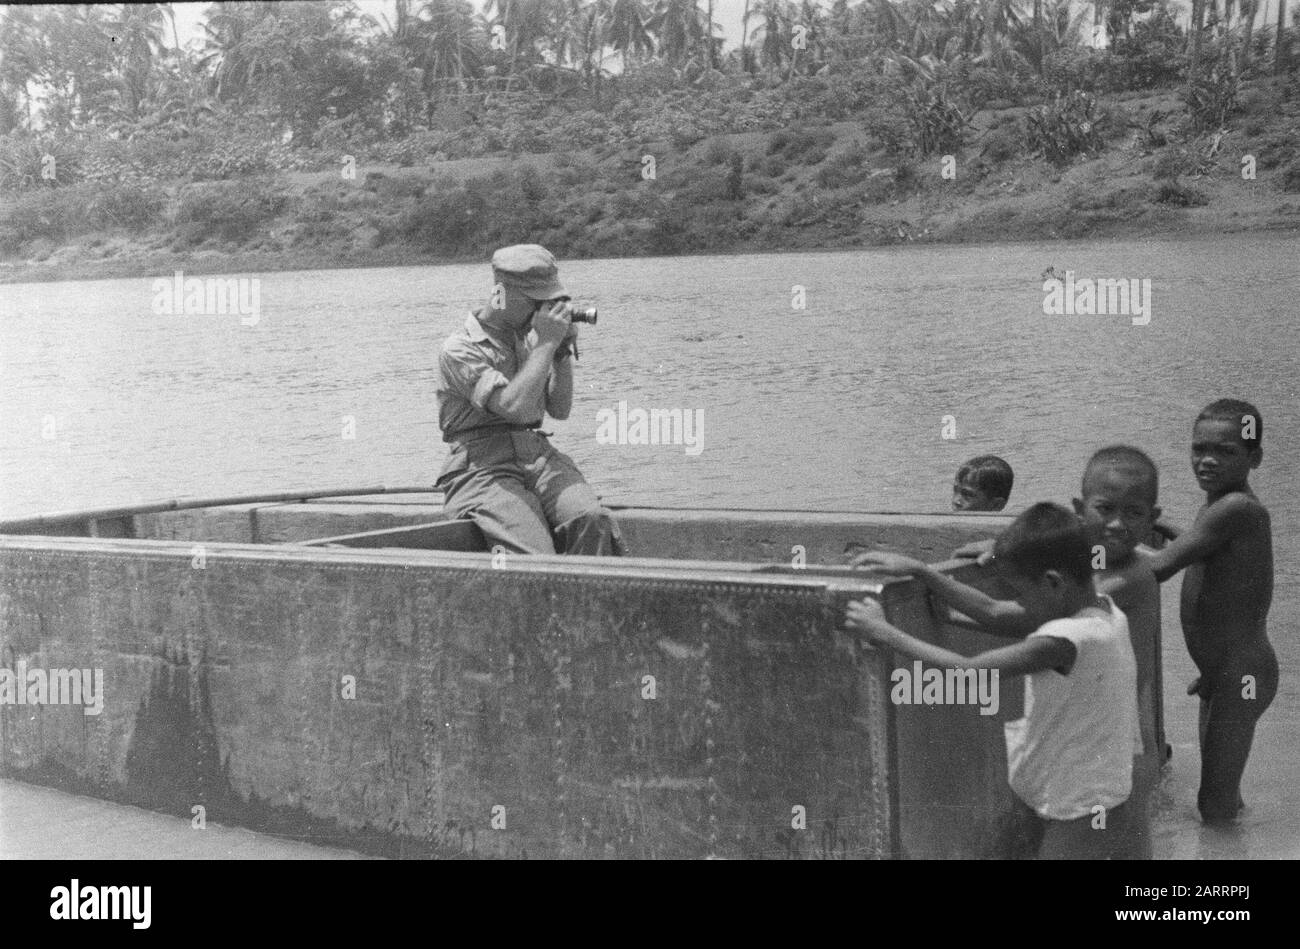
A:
{"x":868,"y":617}
{"x":891,"y":565}
{"x":981,"y":551}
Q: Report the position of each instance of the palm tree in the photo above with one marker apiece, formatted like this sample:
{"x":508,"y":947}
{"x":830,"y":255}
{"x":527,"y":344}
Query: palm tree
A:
{"x":1062,"y":27}
{"x":679,"y":29}
{"x":449,"y":41}
{"x":21,"y":60}
{"x":626,"y":30}
{"x":998,"y":22}
{"x":138,"y":31}
{"x":576,"y":34}
{"x":78,"y":52}
{"x":229,"y":39}
{"x":891,"y":27}
{"x":774,"y":32}
{"x":526,"y":23}
{"x":813,"y":18}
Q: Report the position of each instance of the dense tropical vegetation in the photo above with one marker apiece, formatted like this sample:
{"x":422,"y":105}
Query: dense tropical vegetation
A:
{"x":108,"y":122}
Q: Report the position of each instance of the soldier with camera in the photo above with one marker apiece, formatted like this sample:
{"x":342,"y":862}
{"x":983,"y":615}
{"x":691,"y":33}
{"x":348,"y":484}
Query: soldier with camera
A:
{"x":509,"y":366}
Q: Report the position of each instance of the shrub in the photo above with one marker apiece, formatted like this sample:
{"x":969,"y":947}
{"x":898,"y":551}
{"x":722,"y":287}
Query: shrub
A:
{"x":889,"y":126}
{"x":1065,"y":128}
{"x":1171,"y":192}
{"x":443,"y":220}
{"x":845,"y":169}
{"x":1152,"y":55}
{"x":717,"y":152}
{"x":801,"y":145}
{"x":131,"y":206}
{"x":736,"y":179}
{"x":673,"y":227}
{"x":57,"y":214}
{"x":1173,"y":163}
{"x":905,"y":177}
{"x":229,"y":210}
{"x":686,"y":135}
{"x":1002,"y":144}
{"x":984,"y":85}
{"x":398,"y":188}
{"x":579,"y":171}
{"x":1276,"y":148}
{"x":500,"y":208}
{"x":419,"y":148}
{"x":147,"y":157}
{"x":27,"y":161}
{"x":320,"y":232}
{"x":1290,"y":178}
{"x":241,"y":147}
{"x":1259,"y":101}
{"x":1211,"y":98}
{"x":938,"y":124}
{"x":49,"y":214}
{"x":1074,"y":69}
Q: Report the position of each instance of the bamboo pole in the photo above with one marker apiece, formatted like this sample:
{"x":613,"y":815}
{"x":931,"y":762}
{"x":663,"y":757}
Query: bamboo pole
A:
{"x":22,"y":524}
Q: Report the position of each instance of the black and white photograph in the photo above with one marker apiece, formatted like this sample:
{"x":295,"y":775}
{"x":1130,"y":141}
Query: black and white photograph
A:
{"x":651,"y":430}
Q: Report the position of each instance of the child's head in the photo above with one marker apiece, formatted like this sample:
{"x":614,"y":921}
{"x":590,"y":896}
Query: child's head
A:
{"x":982,"y":484}
{"x":1227,"y":442}
{"x":1118,"y":503}
{"x":1046,"y":558}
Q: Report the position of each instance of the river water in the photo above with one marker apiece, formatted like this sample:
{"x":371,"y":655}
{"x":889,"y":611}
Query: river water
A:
{"x":840,"y":405}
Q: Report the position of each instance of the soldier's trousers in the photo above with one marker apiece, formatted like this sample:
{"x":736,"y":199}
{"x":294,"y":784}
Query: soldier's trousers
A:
{"x":525,"y":496}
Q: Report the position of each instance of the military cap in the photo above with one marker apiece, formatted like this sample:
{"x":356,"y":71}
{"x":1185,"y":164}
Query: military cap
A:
{"x":530,"y":269}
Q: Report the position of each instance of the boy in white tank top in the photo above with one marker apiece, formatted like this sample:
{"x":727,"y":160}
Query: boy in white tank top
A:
{"x":1070,"y":759}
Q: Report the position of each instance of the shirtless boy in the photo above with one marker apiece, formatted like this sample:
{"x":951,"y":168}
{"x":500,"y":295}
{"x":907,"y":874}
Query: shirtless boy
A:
{"x":1227,"y":591}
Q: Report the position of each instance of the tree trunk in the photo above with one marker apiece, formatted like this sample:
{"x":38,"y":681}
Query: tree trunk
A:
{"x":1198,"y":20}
{"x":744,"y":35}
{"x":1279,"y":48}
{"x":709,"y":38}
{"x":1251,"y":7}
{"x":1038,"y":33}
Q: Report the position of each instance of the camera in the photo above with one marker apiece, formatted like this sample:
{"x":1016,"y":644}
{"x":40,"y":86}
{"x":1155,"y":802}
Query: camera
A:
{"x":583,"y":314}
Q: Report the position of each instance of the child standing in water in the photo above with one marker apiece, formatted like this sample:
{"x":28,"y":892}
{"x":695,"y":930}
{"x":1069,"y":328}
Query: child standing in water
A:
{"x":1070,"y":759}
{"x":1227,"y":591}
{"x":1118,"y":507}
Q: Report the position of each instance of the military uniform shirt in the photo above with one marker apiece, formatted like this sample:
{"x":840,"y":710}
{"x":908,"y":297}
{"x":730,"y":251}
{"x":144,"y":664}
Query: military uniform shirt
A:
{"x":473,"y":364}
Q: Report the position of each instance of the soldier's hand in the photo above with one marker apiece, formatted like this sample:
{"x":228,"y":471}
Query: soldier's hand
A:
{"x":552,"y":323}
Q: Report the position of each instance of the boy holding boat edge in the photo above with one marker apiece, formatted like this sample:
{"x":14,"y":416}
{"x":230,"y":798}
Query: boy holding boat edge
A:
{"x":1118,"y":507}
{"x":1069,"y":760}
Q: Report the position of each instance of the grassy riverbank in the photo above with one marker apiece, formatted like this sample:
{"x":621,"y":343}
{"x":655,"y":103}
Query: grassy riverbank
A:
{"x":806,"y":186}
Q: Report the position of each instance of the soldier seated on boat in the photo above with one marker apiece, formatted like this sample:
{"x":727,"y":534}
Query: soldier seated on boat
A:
{"x":498,"y":376}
